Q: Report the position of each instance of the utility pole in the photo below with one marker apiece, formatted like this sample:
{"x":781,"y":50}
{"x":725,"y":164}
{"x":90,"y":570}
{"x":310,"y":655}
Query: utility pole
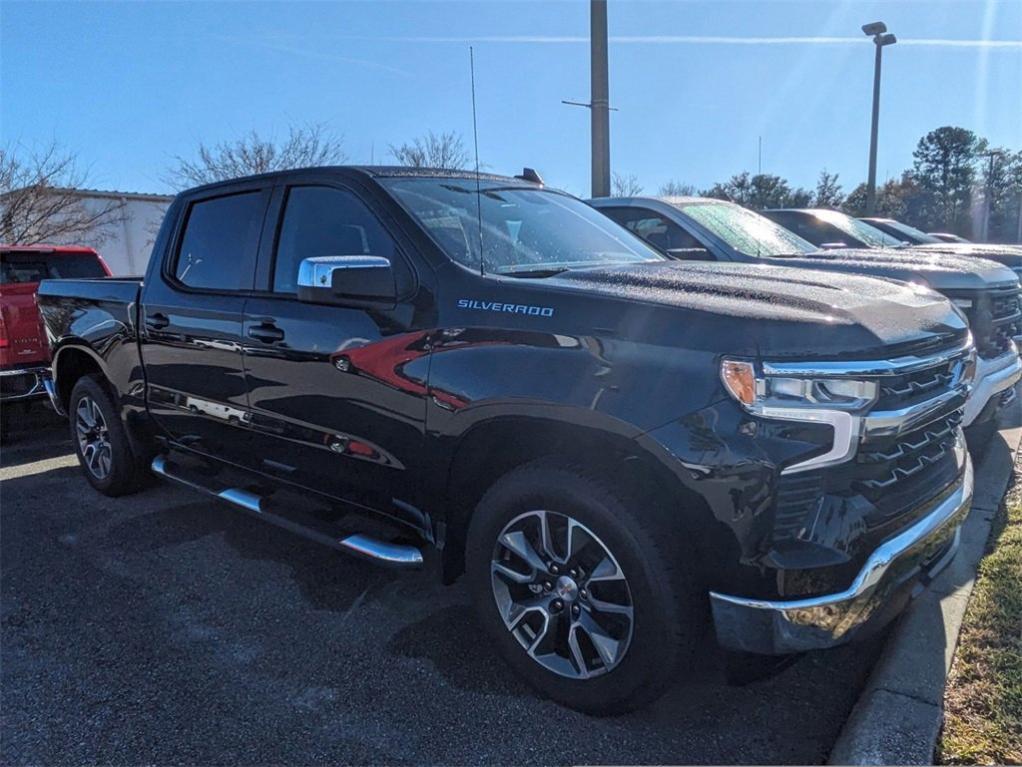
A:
{"x":599,"y":98}
{"x":877,"y":30}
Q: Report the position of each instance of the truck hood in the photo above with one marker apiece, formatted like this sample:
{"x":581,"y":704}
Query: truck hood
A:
{"x":773,"y":310}
{"x":939,"y":270}
{"x":1007,"y":255}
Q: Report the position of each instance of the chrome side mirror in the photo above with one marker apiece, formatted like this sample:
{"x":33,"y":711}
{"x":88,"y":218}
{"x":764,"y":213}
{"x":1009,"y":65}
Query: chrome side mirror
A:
{"x":351,"y":280}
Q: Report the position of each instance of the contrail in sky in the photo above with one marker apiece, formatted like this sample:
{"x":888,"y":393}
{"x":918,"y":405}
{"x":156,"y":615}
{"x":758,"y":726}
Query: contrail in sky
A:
{"x":926,"y":42}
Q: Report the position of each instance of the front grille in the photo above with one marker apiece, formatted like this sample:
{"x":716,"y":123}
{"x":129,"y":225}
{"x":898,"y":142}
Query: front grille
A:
{"x":906,"y":389}
{"x":907,"y":455}
{"x":891,"y":473}
{"x":995,"y":318}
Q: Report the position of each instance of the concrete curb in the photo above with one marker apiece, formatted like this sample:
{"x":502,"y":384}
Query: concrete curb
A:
{"x":898,"y":717}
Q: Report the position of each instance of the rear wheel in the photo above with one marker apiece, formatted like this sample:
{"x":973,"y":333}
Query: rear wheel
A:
{"x":587,"y":595}
{"x":104,"y":450}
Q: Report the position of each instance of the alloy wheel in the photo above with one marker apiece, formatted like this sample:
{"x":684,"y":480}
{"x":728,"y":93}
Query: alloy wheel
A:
{"x":93,"y":438}
{"x":562,"y":594}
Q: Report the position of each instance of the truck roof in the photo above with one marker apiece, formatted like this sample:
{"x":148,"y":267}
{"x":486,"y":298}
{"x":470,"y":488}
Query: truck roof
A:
{"x":371,"y":171}
{"x":48,"y":249}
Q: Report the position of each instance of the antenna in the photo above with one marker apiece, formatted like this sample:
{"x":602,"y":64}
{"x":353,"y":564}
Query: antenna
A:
{"x":475,"y":140}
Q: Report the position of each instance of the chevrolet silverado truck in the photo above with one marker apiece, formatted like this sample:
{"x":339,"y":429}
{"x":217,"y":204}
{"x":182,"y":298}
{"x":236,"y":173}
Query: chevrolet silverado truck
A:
{"x":924,"y":242}
{"x":486,"y":376}
{"x":24,"y":352}
{"x":699,"y":228}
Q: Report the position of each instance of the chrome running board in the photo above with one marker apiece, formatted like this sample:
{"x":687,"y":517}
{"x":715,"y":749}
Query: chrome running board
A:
{"x":394,"y":555}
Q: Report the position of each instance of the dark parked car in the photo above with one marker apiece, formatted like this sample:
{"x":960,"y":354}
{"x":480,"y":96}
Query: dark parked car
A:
{"x":706,"y":229}
{"x":1009,"y":255}
{"x":948,"y":237}
{"x":611,"y":446}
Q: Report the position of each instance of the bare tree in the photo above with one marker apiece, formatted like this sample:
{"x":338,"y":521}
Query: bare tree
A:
{"x":625,"y":186}
{"x":304,"y":147}
{"x":676,"y":189}
{"x":445,"y":150}
{"x":39,"y":202}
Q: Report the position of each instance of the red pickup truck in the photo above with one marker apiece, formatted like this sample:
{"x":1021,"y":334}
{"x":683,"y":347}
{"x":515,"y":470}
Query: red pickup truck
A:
{"x":24,"y":353}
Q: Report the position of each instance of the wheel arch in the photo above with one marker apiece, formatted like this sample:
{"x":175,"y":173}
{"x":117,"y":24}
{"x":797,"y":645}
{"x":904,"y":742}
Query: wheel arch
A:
{"x":71,"y":362}
{"x":492,"y":449}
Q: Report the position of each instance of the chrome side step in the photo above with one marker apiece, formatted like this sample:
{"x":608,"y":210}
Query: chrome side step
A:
{"x":395,"y":555}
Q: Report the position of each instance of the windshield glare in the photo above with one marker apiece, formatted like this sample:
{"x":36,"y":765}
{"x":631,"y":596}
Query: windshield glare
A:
{"x":523,"y":229}
{"x":745,"y":231}
{"x":860,"y":230}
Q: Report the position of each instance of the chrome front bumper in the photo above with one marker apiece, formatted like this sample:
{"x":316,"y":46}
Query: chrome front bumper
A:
{"x":893,"y":572}
{"x":992,"y":378}
{"x":35,"y":390}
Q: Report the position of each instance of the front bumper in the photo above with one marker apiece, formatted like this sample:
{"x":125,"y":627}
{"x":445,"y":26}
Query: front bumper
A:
{"x":19,"y":384}
{"x":993,"y":376}
{"x":892,"y":574}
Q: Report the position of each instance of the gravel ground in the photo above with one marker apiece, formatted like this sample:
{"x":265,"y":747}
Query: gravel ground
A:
{"x":163,"y":628}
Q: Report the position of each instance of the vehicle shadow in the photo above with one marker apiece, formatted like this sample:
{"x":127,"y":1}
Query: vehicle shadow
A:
{"x":34,"y":435}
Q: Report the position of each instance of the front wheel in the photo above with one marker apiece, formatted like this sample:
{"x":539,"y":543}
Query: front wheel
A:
{"x":588,"y":596}
{"x":104,"y":450}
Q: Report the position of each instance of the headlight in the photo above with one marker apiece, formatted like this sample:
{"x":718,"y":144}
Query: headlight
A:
{"x":755,"y":391}
{"x":962,"y":303}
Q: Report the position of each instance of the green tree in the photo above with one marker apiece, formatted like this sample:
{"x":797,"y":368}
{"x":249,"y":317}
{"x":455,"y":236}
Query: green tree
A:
{"x":900,"y":199}
{"x":944,"y":167}
{"x":999,"y":188}
{"x":828,"y":191}
{"x":760,"y":192}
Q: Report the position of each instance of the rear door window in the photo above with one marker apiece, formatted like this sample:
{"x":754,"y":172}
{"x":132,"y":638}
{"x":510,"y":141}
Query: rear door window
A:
{"x":219,"y":244}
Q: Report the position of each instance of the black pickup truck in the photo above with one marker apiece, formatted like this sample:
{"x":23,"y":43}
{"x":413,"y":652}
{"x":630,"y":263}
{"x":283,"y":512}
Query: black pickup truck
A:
{"x":614,"y":448}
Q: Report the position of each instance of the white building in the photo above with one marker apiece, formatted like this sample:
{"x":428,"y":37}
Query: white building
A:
{"x":127,"y":243}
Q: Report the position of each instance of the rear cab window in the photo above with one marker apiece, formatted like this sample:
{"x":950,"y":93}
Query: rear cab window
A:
{"x":28,"y":267}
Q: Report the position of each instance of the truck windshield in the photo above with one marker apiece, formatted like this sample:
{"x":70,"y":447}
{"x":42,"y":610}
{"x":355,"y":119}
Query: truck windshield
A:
{"x":860,"y":230}
{"x":524,"y":231}
{"x":19,"y":268}
{"x":744,"y":231}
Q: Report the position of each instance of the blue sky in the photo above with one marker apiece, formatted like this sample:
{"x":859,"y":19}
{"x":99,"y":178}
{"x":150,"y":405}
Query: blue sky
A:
{"x":130,"y":85}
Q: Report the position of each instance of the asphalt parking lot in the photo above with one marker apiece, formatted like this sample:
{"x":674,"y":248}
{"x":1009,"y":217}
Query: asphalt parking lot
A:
{"x":163,"y":628}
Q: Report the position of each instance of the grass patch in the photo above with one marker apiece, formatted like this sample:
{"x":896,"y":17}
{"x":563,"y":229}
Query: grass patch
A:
{"x":983,"y":700}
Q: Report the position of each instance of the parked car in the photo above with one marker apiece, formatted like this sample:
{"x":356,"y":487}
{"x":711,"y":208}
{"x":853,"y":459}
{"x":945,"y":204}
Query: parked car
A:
{"x":612,"y":446}
{"x":908,"y":235}
{"x":701,"y":228}
{"x":948,"y":237}
{"x":1009,"y":255}
{"x":24,"y":353}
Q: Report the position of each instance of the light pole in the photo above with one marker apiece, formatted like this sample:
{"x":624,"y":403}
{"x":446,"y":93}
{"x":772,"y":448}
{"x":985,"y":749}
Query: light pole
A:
{"x":878,"y":31}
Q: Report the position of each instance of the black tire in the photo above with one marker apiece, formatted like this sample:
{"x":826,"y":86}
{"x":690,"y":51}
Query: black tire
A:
{"x":126,"y":471}
{"x":668,"y":608}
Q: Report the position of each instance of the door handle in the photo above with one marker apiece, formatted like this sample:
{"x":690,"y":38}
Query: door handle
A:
{"x":157,"y":321}
{"x":268,"y":333}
